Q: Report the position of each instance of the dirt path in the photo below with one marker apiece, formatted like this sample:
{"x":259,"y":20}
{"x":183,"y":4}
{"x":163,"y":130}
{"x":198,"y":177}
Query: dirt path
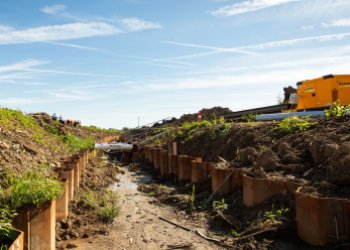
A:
{"x":138,"y":225}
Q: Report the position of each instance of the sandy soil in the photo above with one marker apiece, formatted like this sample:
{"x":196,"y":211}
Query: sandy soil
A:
{"x":138,"y":226}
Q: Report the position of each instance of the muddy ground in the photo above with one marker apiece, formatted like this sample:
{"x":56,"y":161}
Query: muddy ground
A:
{"x":138,"y":225}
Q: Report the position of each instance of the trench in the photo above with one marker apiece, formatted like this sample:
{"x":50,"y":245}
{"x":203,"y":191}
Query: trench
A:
{"x":138,"y":225}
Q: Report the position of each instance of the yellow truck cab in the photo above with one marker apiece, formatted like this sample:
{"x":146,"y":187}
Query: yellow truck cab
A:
{"x":320,"y":93}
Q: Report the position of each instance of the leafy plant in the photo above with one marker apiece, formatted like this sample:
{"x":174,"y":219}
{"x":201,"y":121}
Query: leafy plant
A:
{"x":32,"y":187}
{"x":337,"y":110}
{"x":220,"y":205}
{"x":249,"y":117}
{"x":6,"y":215}
{"x":88,"y":200}
{"x":294,"y":124}
{"x":109,"y":208}
{"x":275,"y":216}
{"x":76,"y":144}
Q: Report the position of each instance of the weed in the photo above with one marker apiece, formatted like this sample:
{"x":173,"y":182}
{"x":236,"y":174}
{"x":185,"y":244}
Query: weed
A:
{"x":220,"y":205}
{"x":249,"y":117}
{"x":6,"y":215}
{"x":109,"y":208}
{"x":337,"y":110}
{"x":76,"y":144}
{"x":274,"y":217}
{"x":88,"y":200}
{"x":294,"y":124}
{"x":193,"y":197}
{"x":32,"y":187}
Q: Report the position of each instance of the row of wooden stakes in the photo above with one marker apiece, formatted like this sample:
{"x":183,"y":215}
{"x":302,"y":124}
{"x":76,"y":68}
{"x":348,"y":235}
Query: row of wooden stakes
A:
{"x":319,"y":220}
{"x":38,"y":224}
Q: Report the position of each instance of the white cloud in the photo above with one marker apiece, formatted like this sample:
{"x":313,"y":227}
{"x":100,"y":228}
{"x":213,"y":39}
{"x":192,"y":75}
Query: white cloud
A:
{"x":248,"y":48}
{"x":53,"y":9}
{"x":18,"y":101}
{"x":248,"y":6}
{"x":296,"y":41}
{"x":22,"y":65}
{"x":58,"y":32}
{"x":307,"y":27}
{"x":82,"y":47}
{"x":136,"y":24}
{"x":345,"y":22}
{"x":4,"y":28}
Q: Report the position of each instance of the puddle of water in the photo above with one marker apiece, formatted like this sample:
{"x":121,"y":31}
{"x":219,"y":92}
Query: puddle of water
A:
{"x":124,"y":183}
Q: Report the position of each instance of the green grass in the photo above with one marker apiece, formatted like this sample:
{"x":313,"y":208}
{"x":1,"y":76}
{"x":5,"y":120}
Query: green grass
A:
{"x":75,"y":143}
{"x":104,"y":205}
{"x":15,"y":120}
{"x":6,"y":215}
{"x":109,"y":208}
{"x":95,"y":129}
{"x":32,"y":187}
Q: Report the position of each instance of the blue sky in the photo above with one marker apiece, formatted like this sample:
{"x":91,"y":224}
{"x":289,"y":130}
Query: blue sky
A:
{"x":109,"y":62}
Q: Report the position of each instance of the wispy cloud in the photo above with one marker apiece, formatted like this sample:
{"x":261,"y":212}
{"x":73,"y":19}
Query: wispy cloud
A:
{"x":16,"y":101}
{"x":307,"y":27}
{"x":22,"y":65}
{"x":82,"y":47}
{"x":297,"y":41}
{"x":53,"y":9}
{"x":137,"y":24}
{"x":4,"y":28}
{"x":58,"y":32}
{"x":249,"y":49}
{"x":248,"y":6}
{"x":345,"y":22}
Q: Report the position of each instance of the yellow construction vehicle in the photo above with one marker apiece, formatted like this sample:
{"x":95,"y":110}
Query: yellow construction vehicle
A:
{"x":310,"y":98}
{"x":320,"y":93}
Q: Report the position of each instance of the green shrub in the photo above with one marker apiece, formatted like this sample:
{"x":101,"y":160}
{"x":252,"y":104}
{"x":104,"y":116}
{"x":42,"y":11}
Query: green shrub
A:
{"x":294,"y":124}
{"x":337,"y":110}
{"x":6,"y":215}
{"x":33,"y":187}
{"x":76,"y":144}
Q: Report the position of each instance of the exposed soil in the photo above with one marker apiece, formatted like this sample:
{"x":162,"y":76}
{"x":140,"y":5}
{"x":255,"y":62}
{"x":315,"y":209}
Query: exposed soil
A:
{"x":318,"y":158}
{"x":23,"y":147}
{"x":83,"y":221}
